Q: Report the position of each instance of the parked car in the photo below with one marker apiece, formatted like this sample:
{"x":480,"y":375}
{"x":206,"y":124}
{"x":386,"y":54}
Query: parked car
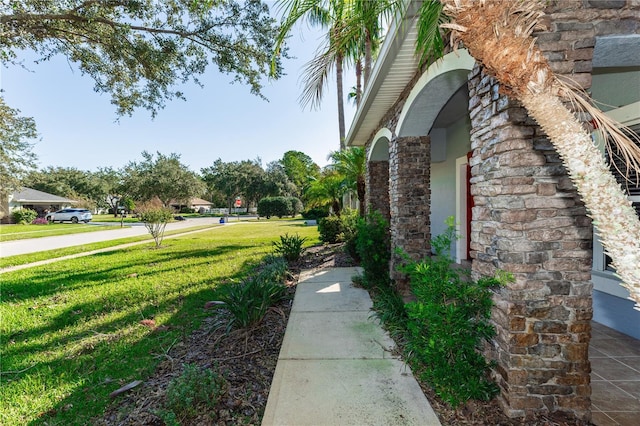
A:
{"x":72,"y":215}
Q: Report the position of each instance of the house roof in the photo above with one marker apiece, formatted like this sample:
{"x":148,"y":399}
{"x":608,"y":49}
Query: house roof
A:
{"x":192,"y":201}
{"x":397,"y":64}
{"x":29,"y":195}
{"x":200,"y":202}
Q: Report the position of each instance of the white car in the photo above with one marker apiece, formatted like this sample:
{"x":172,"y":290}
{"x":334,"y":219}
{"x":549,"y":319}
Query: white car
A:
{"x":71,"y":215}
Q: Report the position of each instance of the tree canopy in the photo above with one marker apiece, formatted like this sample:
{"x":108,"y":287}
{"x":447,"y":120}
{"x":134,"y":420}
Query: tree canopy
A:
{"x":16,"y":157}
{"x":138,"y":50}
{"x":162,"y":176}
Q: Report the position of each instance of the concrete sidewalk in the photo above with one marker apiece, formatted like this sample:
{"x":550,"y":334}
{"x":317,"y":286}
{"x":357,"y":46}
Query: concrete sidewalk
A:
{"x":335,"y":365}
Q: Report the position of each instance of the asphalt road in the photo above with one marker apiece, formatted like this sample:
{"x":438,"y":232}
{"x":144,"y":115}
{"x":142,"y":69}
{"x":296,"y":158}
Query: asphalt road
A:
{"x":13,"y":248}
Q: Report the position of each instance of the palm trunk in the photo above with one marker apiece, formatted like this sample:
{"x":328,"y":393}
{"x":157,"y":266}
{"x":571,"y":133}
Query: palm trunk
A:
{"x":341,"y":127}
{"x":368,"y":58}
{"x":358,"y":82}
{"x":361,"y":190}
{"x":498,"y":34}
{"x":611,"y":211}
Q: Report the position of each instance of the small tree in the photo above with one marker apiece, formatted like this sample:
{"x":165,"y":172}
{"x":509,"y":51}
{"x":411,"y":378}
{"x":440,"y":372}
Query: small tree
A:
{"x":155,"y":218}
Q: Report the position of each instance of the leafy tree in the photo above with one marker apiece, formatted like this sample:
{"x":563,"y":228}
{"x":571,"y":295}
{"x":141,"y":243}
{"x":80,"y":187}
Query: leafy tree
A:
{"x":277,"y":182}
{"x":155,"y":217}
{"x":79,"y":185}
{"x":138,"y":50}
{"x":162,"y":176}
{"x":351,"y":163}
{"x":300,"y":169}
{"x":16,"y":157}
{"x":498,"y":34}
{"x":113,"y":190}
{"x":225,"y":178}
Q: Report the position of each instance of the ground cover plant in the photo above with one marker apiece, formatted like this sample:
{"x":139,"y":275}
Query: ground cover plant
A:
{"x":27,"y":231}
{"x":75,"y":331}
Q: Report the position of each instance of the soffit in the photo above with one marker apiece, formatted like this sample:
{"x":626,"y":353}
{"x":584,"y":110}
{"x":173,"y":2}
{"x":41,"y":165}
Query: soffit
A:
{"x":396,"y":66}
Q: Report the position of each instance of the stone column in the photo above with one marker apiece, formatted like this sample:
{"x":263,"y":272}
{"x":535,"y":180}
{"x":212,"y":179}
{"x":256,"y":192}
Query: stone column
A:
{"x":377,"y":195}
{"x":529,"y":221}
{"x":410,"y":197}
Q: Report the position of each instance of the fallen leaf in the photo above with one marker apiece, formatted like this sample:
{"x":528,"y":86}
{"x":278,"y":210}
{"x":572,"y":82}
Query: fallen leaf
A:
{"x":148,"y":323}
{"x":125,"y":388}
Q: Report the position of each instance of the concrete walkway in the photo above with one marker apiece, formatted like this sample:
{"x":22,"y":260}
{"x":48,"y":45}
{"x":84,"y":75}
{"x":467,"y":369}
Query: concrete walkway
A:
{"x":335,"y":365}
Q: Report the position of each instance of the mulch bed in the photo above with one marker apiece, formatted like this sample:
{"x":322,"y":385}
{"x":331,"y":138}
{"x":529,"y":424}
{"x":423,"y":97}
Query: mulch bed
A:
{"x":247,"y":359}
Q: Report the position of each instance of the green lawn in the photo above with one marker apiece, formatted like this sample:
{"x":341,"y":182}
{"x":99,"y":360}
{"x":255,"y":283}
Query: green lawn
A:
{"x":71,"y":331}
{"x":23,"y":259}
{"x":23,"y":232}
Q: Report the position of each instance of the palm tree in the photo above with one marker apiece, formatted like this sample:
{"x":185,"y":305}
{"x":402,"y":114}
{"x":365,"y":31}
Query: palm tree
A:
{"x":351,"y":163}
{"x":327,"y":14}
{"x":497,"y":34}
{"x":328,"y":189}
{"x":354,"y":32}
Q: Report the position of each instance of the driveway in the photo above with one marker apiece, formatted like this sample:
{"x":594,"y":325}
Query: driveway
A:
{"x":13,"y":248}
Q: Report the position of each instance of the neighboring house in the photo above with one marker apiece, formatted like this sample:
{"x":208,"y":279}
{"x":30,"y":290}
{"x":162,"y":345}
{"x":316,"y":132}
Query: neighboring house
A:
{"x":442,"y":141}
{"x":194,"y":203}
{"x":41,"y":202}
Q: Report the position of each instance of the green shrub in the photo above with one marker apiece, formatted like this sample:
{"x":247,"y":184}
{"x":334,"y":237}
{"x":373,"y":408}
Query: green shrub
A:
{"x":315,"y":213}
{"x":273,"y":268}
{"x":290,"y":247}
{"x":447,"y":325}
{"x":373,"y":248}
{"x":279,"y":206}
{"x":155,"y":219}
{"x":349,"y":219}
{"x":24,"y":216}
{"x":194,"y":388}
{"x":330,"y":229}
{"x":248,"y":301}
{"x":296,"y":206}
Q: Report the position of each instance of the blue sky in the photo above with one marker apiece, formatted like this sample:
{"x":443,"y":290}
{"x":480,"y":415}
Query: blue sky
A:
{"x":78,"y":127}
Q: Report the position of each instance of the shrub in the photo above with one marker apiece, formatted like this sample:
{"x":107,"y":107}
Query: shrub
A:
{"x":349,"y":219}
{"x":24,"y":216}
{"x":194,"y":388}
{"x":290,"y":247}
{"x":248,"y":301}
{"x":315,"y":213}
{"x":373,"y":247}
{"x":448,"y":323}
{"x":330,"y":229}
{"x":296,"y":206}
{"x":187,"y":210}
{"x":40,"y":221}
{"x":155,"y":219}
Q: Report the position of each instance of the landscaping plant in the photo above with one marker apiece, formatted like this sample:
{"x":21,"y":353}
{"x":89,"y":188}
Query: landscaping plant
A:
{"x":330,"y":228}
{"x":24,"y":216}
{"x":247,"y":302}
{"x":372,"y":246}
{"x":155,"y":219}
{"x":290,"y":247}
{"x":448,"y":323}
{"x":192,"y":390}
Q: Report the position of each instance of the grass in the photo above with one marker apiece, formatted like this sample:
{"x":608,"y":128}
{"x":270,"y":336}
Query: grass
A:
{"x":23,"y":232}
{"x":72,"y":333}
{"x":56,"y":253}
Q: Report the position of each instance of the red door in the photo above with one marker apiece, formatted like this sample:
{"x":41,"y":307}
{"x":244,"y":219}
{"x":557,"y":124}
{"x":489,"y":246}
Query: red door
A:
{"x":469,"y":204}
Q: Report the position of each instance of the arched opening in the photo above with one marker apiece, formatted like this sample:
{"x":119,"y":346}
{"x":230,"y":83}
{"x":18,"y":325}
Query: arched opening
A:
{"x":438,"y":107}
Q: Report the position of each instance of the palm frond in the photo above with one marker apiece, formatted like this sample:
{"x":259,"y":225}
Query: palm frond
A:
{"x":430,"y":40}
{"x":316,"y":77}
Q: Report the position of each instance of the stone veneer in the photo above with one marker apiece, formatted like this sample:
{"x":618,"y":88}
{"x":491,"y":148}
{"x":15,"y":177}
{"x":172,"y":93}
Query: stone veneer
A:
{"x":377,"y":195}
{"x":409,"y":195}
{"x":528,"y":219}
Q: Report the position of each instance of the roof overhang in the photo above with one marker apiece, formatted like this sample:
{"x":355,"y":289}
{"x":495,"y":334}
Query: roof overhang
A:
{"x":395,"y":67}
